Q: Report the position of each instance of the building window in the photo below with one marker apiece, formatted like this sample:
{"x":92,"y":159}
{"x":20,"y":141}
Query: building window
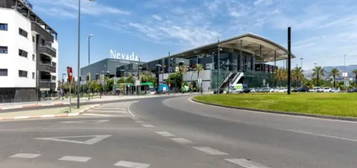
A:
{"x":23,"y":53}
{"x":33,"y":39}
{"x":22,"y":32}
{"x":33,"y":57}
{"x":3,"y":72}
{"x":3,"y":49}
{"x":3,"y":26}
{"x":33,"y":75}
{"x":43,"y":42}
{"x":22,"y":74}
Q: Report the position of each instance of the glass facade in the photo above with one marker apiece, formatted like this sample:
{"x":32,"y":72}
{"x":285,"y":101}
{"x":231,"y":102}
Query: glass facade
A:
{"x":256,"y":73}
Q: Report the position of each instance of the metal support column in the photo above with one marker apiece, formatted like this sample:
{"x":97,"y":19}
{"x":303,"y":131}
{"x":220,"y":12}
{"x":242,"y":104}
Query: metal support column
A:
{"x":218,"y":66}
{"x":79,"y":52}
{"x":289,"y":60}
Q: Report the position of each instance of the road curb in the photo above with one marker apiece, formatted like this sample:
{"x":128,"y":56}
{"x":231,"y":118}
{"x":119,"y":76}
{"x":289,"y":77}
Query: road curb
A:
{"x":278,"y":112}
{"x":60,"y":104}
{"x":48,"y":115}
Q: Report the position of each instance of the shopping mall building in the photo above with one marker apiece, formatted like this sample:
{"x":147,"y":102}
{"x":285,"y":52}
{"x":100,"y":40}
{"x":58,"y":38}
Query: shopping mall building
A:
{"x":244,"y":58}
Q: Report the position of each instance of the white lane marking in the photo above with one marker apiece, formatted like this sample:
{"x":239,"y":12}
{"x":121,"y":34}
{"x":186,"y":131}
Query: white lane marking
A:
{"x":321,"y":135}
{"x":165,"y":134}
{"x":130,"y":112}
{"x":139,"y":121}
{"x":111,"y":112}
{"x":21,"y":117}
{"x":25,"y":155}
{"x":84,"y":121}
{"x":111,"y":109}
{"x":99,"y":115}
{"x":182,"y":140}
{"x":147,"y":125}
{"x":48,"y":116}
{"x":245,"y":163}
{"x":93,"y":139}
{"x":75,"y":158}
{"x":209,"y":150}
{"x":129,"y":164}
{"x":73,"y":114}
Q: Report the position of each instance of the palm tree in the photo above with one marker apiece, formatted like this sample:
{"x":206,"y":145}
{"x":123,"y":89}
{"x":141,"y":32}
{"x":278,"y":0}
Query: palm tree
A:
{"x":298,"y":75}
{"x":199,"y":68}
{"x":281,"y":75}
{"x":318,"y":72}
{"x":334,"y":73}
{"x":355,"y":72}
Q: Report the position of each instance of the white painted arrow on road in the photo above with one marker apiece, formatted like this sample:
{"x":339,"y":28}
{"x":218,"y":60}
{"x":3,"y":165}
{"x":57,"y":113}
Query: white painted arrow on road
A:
{"x":92,"y":139}
{"x":129,"y":164}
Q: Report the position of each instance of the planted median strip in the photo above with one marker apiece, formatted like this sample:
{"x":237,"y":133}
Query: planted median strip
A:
{"x":323,"y":104}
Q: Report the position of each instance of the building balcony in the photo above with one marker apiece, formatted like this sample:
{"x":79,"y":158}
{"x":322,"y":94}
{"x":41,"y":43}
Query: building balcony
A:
{"x":48,"y":84}
{"x":47,"y":68}
{"x":44,"y":33}
{"x":48,"y":50}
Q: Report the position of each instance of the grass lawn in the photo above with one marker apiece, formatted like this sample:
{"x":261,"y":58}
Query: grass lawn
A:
{"x":331,"y":104}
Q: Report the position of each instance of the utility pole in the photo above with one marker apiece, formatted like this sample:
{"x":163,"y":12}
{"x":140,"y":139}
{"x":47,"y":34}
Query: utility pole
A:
{"x":79,"y":51}
{"x":218,"y":66}
{"x":289,"y":60}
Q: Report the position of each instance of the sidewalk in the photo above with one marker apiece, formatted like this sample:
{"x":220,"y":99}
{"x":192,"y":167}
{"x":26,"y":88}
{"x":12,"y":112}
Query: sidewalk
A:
{"x":60,"y":103}
{"x":45,"y":113}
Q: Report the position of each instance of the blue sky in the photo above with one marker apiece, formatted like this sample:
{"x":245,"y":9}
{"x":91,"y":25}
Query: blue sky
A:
{"x":323,"y":30}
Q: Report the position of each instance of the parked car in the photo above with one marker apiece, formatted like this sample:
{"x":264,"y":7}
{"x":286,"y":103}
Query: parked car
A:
{"x":352,"y":90}
{"x":326,"y":90}
{"x":316,"y":89}
{"x":240,"y":90}
{"x":301,"y":89}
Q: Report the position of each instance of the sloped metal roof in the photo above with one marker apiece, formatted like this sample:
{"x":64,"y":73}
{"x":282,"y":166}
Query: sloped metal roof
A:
{"x":260,"y":46}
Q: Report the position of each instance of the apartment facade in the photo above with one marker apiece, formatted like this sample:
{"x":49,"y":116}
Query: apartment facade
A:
{"x":28,"y":53}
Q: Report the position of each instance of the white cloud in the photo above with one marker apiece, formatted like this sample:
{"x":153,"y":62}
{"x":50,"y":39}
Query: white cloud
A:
{"x":263,"y":2}
{"x":68,"y":8}
{"x":186,"y":35}
{"x":157,"y":17}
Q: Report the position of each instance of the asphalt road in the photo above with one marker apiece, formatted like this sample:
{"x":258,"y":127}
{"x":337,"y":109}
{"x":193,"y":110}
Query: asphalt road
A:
{"x":175,"y":133}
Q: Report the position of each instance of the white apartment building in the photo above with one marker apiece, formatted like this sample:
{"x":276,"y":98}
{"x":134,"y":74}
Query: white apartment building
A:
{"x":28,"y":53}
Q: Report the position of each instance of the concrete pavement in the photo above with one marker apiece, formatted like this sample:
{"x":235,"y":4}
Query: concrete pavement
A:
{"x":270,"y":140}
{"x":108,"y":137}
{"x":174,"y":132}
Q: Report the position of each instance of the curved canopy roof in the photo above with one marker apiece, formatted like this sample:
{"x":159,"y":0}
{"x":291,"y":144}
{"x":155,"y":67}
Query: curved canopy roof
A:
{"x":251,"y":43}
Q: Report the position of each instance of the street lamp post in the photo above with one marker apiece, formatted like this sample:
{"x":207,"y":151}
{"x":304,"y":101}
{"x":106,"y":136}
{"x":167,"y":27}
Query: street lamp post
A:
{"x":218,"y":66}
{"x":158,"y":69}
{"x":79,"y":51}
{"x":289,"y":60}
{"x":62,"y":89}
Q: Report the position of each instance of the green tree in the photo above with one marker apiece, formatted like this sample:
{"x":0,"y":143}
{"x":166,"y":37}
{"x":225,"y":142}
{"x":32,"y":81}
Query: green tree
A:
{"x":281,"y":76}
{"x":318,"y":73}
{"x":334,"y":74}
{"x":130,"y":79}
{"x":355,"y":72}
{"x":298,"y":75}
{"x":109,"y":84}
{"x":175,"y":80}
{"x":147,"y":77}
{"x":309,"y":84}
{"x":121,"y":80}
{"x":199,"y":68}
